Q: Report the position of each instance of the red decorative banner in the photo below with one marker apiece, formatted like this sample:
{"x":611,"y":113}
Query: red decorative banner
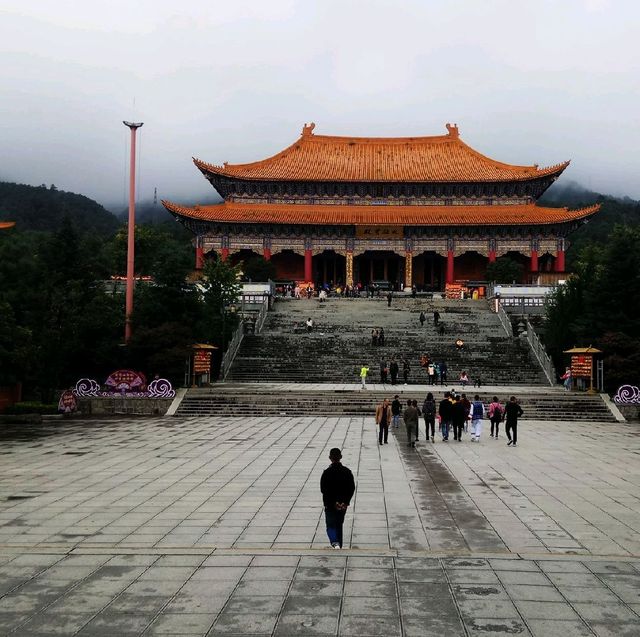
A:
{"x":581,"y":366}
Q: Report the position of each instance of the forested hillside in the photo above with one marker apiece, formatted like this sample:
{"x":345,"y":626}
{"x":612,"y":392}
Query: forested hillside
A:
{"x":614,"y":211}
{"x":43,"y":208}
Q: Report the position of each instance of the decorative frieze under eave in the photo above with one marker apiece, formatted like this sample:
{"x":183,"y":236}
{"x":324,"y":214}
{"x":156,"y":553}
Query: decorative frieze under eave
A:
{"x":441,"y":246}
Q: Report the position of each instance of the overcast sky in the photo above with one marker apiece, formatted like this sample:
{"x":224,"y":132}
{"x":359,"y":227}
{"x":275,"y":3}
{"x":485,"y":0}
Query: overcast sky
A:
{"x":527,"y":81}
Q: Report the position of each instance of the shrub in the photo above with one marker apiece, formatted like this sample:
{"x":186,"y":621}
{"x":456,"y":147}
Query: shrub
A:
{"x":19,"y":409}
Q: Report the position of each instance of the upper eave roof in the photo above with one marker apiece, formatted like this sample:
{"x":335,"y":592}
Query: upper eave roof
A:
{"x":442,"y":158}
{"x":309,"y":214}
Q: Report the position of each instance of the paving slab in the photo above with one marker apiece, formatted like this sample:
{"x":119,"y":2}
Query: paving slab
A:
{"x":187,"y":526}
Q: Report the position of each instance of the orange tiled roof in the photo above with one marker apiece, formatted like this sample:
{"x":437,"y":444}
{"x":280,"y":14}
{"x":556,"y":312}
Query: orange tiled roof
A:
{"x":443,"y":158}
{"x":234,"y":212}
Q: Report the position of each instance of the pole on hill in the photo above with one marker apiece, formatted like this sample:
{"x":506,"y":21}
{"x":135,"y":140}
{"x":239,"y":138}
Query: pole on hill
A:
{"x":131,"y":230}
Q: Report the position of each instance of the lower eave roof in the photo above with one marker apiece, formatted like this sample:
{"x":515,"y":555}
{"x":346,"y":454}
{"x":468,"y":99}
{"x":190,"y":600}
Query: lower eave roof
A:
{"x":380,"y":215}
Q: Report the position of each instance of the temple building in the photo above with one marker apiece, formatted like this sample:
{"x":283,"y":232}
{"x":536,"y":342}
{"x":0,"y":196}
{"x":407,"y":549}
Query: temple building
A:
{"x":410,"y":210}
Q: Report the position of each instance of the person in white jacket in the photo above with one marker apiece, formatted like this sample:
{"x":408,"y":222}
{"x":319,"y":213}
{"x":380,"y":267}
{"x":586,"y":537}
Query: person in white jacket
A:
{"x":477,"y":413}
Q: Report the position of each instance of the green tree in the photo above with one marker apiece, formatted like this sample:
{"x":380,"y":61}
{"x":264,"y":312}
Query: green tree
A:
{"x":505,"y":270}
{"x":258,"y":269}
{"x":221,"y":292}
{"x":600,"y":306}
{"x":157,"y":253}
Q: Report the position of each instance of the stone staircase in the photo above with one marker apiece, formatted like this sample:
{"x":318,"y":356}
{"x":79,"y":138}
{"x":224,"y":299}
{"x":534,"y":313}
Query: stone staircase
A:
{"x":259,"y":399}
{"x":341,"y":343}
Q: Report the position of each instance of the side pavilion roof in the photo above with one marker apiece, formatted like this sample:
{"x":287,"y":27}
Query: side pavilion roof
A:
{"x":442,"y":158}
{"x":308,"y":214}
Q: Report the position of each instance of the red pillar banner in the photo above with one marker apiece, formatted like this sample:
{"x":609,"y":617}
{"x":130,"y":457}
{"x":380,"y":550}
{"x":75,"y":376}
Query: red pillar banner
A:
{"x":492,"y":256}
{"x":266,"y":253}
{"x":560,"y":261}
{"x":534,"y":261}
{"x":450,"y":269}
{"x":225,"y":254}
{"x":199,"y":258}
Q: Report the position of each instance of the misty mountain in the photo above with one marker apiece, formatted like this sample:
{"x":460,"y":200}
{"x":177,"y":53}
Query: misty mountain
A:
{"x":613,"y":211}
{"x":43,"y":208}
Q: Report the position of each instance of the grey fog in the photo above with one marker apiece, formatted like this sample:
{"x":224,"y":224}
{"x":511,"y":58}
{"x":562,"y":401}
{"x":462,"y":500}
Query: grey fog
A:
{"x":235,"y":80}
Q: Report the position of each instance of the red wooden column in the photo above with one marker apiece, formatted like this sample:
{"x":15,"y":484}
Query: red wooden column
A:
{"x":199,"y":257}
{"x":560,"y":256}
{"x":450,"y":267}
{"x":492,"y":250}
{"x":266,"y":248}
{"x":224,"y":253}
{"x":308,"y":255}
{"x":533,"y":267}
{"x":451,"y":274}
{"x":535,"y":246}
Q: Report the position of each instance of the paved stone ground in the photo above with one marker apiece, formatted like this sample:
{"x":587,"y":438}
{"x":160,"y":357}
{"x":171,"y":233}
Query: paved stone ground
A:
{"x":214,"y":526}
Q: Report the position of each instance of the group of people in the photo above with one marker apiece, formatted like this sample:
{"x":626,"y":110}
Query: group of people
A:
{"x":392,"y":369}
{"x":436,"y":371}
{"x":377,"y":336}
{"x":455,"y":412}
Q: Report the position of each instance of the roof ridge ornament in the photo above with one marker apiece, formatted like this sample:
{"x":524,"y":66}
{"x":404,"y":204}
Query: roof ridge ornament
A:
{"x":307,"y":129}
{"x":453,"y":130}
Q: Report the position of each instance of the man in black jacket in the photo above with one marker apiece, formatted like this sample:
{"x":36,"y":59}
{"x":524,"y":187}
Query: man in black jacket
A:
{"x":445,"y":410}
{"x":337,"y":487}
{"x":512,"y":412}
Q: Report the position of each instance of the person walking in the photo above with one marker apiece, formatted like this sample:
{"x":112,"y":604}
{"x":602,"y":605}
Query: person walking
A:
{"x":443,"y":373}
{"x":467,"y":409}
{"x":429,"y":415}
{"x":396,"y":407}
{"x":363,"y":376}
{"x":422,"y":318}
{"x":383,"y":418}
{"x":406,"y":368}
{"x":436,"y":317}
{"x":411,"y":417}
{"x":495,"y":415}
{"x":477,"y":414}
{"x":384,"y":370}
{"x":381,"y":336}
{"x":512,"y":412}
{"x":389,"y":298}
{"x":464,"y":379}
{"x":566,"y":379}
{"x":459,"y":417}
{"x":394,"y":368}
{"x":445,"y":409}
{"x":337,"y":487}
{"x":374,"y":336}
{"x":431,"y":373}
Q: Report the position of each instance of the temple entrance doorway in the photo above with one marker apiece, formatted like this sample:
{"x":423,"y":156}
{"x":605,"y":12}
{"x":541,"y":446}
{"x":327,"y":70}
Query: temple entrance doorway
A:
{"x":242,"y":256}
{"x":289,"y":266}
{"x":379,"y":266}
{"x":329,"y":267}
{"x":523,"y":260}
{"x":429,"y":271}
{"x":471,"y":266}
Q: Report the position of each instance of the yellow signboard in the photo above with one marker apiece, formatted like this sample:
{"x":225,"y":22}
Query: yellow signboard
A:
{"x":379,"y":232}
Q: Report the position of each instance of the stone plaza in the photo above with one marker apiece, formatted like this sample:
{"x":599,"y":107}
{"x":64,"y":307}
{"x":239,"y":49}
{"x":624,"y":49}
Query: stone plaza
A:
{"x":214,"y":525}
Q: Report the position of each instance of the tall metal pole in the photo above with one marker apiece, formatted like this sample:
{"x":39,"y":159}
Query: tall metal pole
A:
{"x":133,"y":126}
